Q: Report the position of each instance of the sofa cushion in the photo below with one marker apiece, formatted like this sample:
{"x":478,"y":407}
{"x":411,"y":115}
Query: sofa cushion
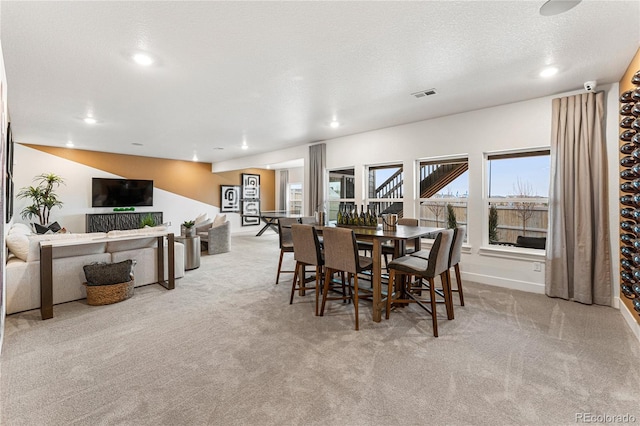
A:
{"x":18,"y":244}
{"x":79,"y":250}
{"x":20,"y":228}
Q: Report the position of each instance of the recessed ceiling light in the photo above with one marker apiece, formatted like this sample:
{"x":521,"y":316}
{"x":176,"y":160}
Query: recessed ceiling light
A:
{"x":268,"y":166}
{"x":90,"y":120}
{"x":548,"y":72}
{"x":69,"y":144}
{"x":556,"y":7}
{"x":334,"y":124}
{"x":195,"y":157}
{"x":245,"y":146}
{"x":142,"y":59}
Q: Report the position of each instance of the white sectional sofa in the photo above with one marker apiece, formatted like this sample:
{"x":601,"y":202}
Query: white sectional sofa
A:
{"x":23,"y":264}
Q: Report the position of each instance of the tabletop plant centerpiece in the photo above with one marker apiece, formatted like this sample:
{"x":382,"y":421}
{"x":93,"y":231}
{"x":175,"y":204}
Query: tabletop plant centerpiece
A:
{"x":189,"y":228}
{"x":43,"y":197}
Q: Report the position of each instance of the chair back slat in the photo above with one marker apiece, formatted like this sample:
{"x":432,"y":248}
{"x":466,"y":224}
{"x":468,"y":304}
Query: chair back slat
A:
{"x":456,"y":246}
{"x":340,"y":249}
{"x":439,"y":255}
{"x":306,"y":247}
{"x":284,"y":231}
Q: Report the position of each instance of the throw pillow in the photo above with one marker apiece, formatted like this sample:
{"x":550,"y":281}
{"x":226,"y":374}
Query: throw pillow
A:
{"x":51,"y":229}
{"x":18,"y":244}
{"x":20,"y":228}
{"x":108,"y":273}
{"x":220,"y":219}
{"x":201,"y":218}
{"x":204,"y":226}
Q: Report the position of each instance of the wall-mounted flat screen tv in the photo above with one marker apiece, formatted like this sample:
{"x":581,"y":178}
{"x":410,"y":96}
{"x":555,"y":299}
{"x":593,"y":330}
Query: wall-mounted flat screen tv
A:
{"x":121,"y":192}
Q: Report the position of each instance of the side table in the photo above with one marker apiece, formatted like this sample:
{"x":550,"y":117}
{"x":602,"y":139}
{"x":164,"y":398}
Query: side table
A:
{"x":191,"y":251}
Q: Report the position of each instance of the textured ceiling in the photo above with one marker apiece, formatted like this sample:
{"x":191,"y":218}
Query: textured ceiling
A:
{"x":276,"y":73}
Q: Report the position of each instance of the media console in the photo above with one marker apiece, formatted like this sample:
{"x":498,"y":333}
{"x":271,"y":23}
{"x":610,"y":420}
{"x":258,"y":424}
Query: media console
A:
{"x":105,"y":222}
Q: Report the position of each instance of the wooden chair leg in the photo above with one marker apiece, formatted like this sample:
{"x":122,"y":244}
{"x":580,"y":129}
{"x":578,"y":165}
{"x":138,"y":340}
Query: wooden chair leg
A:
{"x":318,"y":283}
{"x":434,"y":317}
{"x":293,"y":285}
{"x":390,"y":291}
{"x":303,"y":280}
{"x":279,"y":266}
{"x":446,"y":290}
{"x":327,"y":280}
{"x":355,"y":296}
{"x":456,"y":268}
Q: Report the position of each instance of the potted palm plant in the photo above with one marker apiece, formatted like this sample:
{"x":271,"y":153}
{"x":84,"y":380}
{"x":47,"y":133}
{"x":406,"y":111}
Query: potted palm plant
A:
{"x":43,"y":197}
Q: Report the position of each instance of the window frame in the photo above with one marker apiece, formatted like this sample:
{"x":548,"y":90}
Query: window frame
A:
{"x":340,"y":200}
{"x":454,"y":158}
{"x":496,"y":249}
{"x":367,"y":200}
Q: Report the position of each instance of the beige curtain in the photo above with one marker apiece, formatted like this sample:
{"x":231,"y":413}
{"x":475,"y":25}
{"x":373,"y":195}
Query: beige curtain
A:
{"x":284,"y":183}
{"x":578,"y":265}
{"x":317,"y":167}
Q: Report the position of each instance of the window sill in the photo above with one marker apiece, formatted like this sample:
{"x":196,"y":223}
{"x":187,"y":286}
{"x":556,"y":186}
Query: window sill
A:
{"x":516,"y":253}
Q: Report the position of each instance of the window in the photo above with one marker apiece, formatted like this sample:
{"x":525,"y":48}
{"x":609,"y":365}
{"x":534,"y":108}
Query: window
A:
{"x":518,"y":198}
{"x":385,"y":189}
{"x":341,"y":191}
{"x":294,"y":199}
{"x":443,"y":186}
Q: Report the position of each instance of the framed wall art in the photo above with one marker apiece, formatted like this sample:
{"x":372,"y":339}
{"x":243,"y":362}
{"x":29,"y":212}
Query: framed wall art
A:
{"x":229,"y":198}
{"x":250,"y":212}
{"x":250,"y":186}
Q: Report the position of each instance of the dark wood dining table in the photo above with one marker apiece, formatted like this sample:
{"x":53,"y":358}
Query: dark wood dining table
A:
{"x":377,"y":236}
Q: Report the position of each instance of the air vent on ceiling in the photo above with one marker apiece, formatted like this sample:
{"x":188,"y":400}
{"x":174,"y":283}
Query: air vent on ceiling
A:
{"x":423,"y":93}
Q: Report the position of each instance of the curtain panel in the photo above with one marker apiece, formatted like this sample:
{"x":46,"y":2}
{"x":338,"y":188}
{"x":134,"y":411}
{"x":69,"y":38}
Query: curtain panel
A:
{"x":284,"y":184}
{"x":317,"y":167}
{"x":578,"y":263}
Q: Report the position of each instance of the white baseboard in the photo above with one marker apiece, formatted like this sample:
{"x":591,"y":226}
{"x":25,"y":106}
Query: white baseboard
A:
{"x":504,"y":282}
{"x":630,"y":319}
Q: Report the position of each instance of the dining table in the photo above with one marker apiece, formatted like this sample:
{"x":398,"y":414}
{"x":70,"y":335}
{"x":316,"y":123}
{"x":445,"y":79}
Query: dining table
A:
{"x":399,"y":236}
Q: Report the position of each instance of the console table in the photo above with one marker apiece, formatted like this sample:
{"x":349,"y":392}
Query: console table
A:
{"x":46,"y":264}
{"x":105,"y":222}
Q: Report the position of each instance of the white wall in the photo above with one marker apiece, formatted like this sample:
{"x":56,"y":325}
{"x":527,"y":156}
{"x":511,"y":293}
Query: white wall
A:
{"x":76,"y":193}
{"x":3,"y":257}
{"x":514,"y":126}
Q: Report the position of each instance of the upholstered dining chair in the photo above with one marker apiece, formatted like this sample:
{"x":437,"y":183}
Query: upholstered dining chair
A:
{"x":286,"y":243}
{"x":454,"y":261}
{"x":388,"y":249}
{"x":341,"y":255}
{"x":306,"y":252}
{"x":410,"y":266}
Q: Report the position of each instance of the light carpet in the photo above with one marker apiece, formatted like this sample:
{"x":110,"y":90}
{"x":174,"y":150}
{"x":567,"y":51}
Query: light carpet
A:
{"x":226,"y":348}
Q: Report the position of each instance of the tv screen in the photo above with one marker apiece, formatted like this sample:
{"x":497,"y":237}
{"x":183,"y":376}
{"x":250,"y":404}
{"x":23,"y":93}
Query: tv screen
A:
{"x":121,"y":192}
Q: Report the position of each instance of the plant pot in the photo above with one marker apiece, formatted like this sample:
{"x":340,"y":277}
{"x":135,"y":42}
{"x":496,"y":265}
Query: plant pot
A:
{"x":190,"y":232}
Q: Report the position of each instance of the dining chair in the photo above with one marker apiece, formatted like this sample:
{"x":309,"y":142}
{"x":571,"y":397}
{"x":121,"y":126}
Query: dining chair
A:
{"x":341,"y":255}
{"x":409,"y":266}
{"x":306,"y":252}
{"x":454,"y":261}
{"x":389,"y":249}
{"x":286,"y":243}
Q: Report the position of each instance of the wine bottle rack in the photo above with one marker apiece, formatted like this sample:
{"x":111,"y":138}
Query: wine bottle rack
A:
{"x":630,"y":193}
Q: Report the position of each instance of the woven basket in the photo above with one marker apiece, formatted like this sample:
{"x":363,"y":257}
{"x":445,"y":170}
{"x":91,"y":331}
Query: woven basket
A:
{"x":106,"y":294}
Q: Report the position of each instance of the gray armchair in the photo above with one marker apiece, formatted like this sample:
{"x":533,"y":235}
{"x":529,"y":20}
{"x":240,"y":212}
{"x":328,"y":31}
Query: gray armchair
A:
{"x":217,"y":239}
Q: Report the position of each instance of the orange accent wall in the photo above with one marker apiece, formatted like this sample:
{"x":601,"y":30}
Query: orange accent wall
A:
{"x":625,"y":84}
{"x":186,"y":178}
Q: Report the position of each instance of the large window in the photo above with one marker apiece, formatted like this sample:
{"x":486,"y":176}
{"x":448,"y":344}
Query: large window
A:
{"x":385,"y":189}
{"x":341,"y":191}
{"x":443,"y":186}
{"x":518,"y":198}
